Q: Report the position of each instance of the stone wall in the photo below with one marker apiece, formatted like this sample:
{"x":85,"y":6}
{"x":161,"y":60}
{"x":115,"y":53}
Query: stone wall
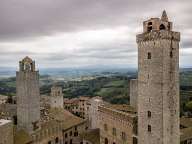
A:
{"x":133,"y":93}
{"x":116,"y":127}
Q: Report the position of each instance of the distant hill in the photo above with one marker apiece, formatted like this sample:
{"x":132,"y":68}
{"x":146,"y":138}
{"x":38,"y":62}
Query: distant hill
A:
{"x":112,"y":86}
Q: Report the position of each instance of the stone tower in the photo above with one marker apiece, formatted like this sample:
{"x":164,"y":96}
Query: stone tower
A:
{"x":56,"y":99}
{"x":158,"y":82}
{"x":28,"y":95}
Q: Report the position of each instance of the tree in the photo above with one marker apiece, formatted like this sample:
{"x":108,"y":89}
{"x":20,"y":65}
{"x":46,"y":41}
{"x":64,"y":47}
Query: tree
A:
{"x":189,"y":106}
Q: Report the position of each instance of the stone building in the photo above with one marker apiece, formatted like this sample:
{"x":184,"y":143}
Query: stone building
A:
{"x":56,"y":98}
{"x":117,"y":124}
{"x":95,"y":102}
{"x":158,"y":82}
{"x":133,"y":92}
{"x":6,"y":131}
{"x":28,"y":95}
{"x":78,"y":106}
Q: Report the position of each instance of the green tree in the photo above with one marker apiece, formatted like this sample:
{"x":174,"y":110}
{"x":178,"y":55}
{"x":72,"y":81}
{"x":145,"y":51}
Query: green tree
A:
{"x":189,"y":106}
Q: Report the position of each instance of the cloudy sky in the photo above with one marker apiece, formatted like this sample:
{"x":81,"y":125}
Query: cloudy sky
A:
{"x":81,"y":33}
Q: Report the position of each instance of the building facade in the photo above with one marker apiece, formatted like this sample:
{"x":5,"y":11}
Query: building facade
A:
{"x":28,"y":95}
{"x":116,"y":125}
{"x":95,"y":102}
{"x":158,"y":82}
{"x":78,"y":106}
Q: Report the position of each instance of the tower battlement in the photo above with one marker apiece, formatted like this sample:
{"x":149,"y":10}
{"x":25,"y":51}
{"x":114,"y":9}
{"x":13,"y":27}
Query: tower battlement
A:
{"x":157,"y":24}
{"x":169,"y":35}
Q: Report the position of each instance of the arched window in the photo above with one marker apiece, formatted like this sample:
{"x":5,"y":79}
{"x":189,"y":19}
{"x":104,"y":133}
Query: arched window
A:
{"x":106,"y":141}
{"x":149,"y":114}
{"x":56,"y":140}
{"x":150,"y":27}
{"x":162,"y":27}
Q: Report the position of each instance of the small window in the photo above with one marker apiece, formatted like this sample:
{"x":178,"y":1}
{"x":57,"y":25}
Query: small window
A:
{"x":150,"y":23}
{"x":149,"y":114}
{"x":49,"y":142}
{"x":149,"y":128}
{"x":171,"y":54}
{"x":71,"y":141}
{"x":135,"y":140}
{"x":149,"y":28}
{"x":162,"y":27}
{"x":149,"y":55}
{"x":106,"y":141}
{"x":66,"y":135}
{"x":123,"y":136}
{"x":105,"y":127}
{"x":114,"y":131}
{"x":75,"y":134}
{"x":56,"y":140}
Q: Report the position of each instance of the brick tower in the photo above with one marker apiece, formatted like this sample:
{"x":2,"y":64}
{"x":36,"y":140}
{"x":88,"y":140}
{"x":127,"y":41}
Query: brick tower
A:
{"x":158,"y":82}
{"x":28,"y":95}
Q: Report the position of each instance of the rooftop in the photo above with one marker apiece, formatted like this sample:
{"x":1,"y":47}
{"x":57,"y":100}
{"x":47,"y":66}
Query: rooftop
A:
{"x":59,"y":115}
{"x":186,"y":122}
{"x":186,"y":134}
{"x":121,"y":107}
{"x":92,"y":136}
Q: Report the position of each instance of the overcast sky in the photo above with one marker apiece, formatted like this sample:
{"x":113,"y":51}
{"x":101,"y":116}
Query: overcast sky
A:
{"x":81,"y":33}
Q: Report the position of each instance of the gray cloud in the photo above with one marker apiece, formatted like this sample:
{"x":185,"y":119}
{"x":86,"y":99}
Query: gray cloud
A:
{"x":21,"y":18}
{"x":30,"y":20}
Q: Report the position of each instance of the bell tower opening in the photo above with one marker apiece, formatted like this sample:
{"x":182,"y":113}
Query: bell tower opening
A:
{"x":150,"y":27}
{"x":162,"y":27}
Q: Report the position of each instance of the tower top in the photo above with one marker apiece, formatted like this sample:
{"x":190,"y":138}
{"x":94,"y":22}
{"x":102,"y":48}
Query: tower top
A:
{"x":157,"y":24}
{"x":27,"y":59}
{"x":27,"y":64}
{"x":164,"y":16}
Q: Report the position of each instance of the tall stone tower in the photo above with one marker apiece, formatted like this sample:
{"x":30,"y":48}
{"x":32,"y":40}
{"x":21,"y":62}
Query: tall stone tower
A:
{"x":56,"y":99}
{"x":28,"y":95}
{"x":158,"y":82}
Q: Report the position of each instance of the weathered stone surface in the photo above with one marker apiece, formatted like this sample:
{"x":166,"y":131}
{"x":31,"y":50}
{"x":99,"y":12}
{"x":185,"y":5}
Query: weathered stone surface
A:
{"x":28,"y":96}
{"x":158,"y":84}
{"x":133,"y":92}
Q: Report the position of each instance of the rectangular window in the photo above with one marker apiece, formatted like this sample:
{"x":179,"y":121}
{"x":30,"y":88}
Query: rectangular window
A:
{"x":171,"y":54}
{"x":149,"y":55}
{"x":123,"y":136}
{"x":149,"y":114}
{"x":149,"y":128}
{"x":65,"y":135}
{"x":114,"y":131}
{"x":105,"y":127}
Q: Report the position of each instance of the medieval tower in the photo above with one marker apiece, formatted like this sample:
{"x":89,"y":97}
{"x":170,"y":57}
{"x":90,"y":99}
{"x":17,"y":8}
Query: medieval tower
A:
{"x":28,"y":95}
{"x":56,"y":99}
{"x":158,"y":82}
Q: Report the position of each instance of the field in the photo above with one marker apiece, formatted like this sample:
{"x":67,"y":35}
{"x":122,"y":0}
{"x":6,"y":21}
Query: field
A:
{"x":113,"y":88}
